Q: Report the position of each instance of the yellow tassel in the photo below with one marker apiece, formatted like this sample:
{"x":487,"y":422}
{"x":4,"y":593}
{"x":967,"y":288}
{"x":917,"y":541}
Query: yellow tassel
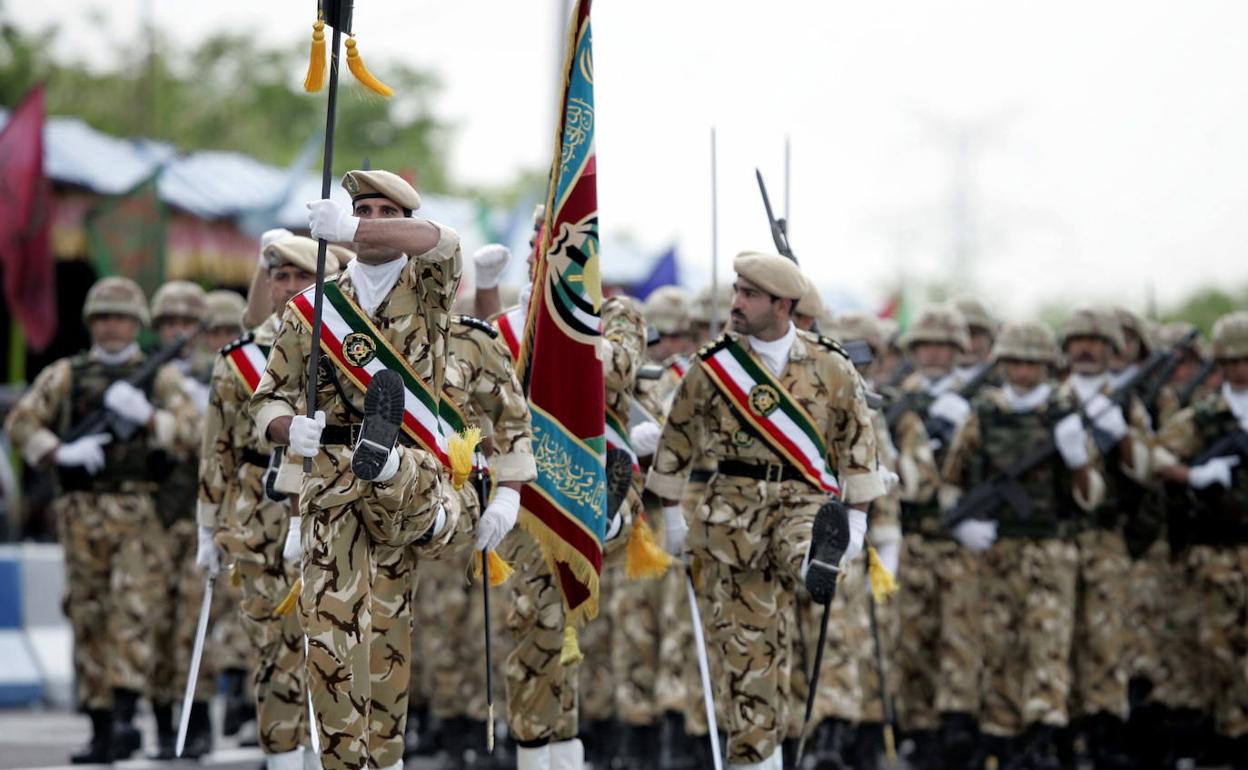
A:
{"x":460,"y":449}
{"x":500,"y":570}
{"x":570,"y":655}
{"x":315,"y":79}
{"x":292,"y":597}
{"x":882,"y":583}
{"x":644,"y":559}
{"x":366,"y":78}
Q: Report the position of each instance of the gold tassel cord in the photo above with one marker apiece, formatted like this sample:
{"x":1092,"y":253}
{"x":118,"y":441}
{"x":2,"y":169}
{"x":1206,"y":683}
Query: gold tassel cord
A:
{"x":500,"y":570}
{"x":570,"y":655}
{"x":883,"y":585}
{"x":460,"y":448}
{"x":292,"y":598}
{"x":367,"y":79}
{"x":315,"y":79}
{"x":644,"y":559}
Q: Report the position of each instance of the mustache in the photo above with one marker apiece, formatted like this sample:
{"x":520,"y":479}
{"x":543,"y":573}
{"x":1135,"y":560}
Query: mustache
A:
{"x":1085,"y":358}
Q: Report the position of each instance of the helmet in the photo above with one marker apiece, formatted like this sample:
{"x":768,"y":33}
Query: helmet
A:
{"x":1092,"y":322}
{"x":702,"y":305}
{"x":1171,"y":334}
{"x":225,"y":308}
{"x":888,"y":331}
{"x":1138,"y":326}
{"x":1031,"y":341}
{"x":1230,"y":336}
{"x":937,"y":323}
{"x":667,"y":309}
{"x":857,"y":325}
{"x":977,"y":315}
{"x":118,"y":295}
{"x":180,"y":298}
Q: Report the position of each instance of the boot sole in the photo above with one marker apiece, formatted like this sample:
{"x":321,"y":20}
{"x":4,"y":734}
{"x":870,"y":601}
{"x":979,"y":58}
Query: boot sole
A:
{"x":383,"y":416}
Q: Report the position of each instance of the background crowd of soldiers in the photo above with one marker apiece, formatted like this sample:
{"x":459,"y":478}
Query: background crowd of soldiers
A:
{"x":1064,"y":517}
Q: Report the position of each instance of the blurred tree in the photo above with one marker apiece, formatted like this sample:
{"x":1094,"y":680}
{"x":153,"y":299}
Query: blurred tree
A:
{"x":1206,"y":306}
{"x":229,"y":94}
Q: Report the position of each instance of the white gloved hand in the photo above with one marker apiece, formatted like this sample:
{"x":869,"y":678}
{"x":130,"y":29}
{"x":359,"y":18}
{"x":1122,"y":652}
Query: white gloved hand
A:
{"x":891,"y":480}
{"x":293,"y":550}
{"x":644,"y":436}
{"x":890,"y":556}
{"x":331,"y":222}
{"x":207,"y":557}
{"x":490,"y":261}
{"x":1107,"y":416}
{"x":128,"y":402}
{"x":86,"y":453}
{"x":675,"y":530}
{"x":1215,"y":471}
{"x":305,"y":434}
{"x":498,"y":519}
{"x":614,"y":527}
{"x":1072,"y":441}
{"x":271,"y":236}
{"x":857,"y":535}
{"x":976,"y":534}
{"x":951,"y":407}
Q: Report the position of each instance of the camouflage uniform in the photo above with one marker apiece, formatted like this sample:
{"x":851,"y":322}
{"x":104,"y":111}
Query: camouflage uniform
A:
{"x":358,"y":536}
{"x":750,"y":537}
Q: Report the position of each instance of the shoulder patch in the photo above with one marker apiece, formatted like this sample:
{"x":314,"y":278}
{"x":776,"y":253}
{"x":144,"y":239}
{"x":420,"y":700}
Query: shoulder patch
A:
{"x":832,"y":345}
{"x":478,"y":324}
{"x":238,"y":343}
{"x":714,"y":346}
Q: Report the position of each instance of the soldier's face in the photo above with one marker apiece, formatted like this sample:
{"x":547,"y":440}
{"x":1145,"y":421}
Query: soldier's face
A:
{"x":934,"y":359}
{"x":1235,"y":372}
{"x":219,"y":336}
{"x":1023,"y":376}
{"x":1087,"y":355}
{"x":754,"y":310}
{"x":803,"y":322}
{"x":112,"y":331}
{"x":285,"y":281}
{"x":377,"y":208}
{"x":981,"y":344}
{"x":170,"y":327}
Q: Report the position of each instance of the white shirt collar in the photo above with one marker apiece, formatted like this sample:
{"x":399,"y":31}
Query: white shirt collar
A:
{"x":373,"y":282}
{"x":1088,"y":385}
{"x":1237,"y":400}
{"x":1029,"y":401}
{"x":941,"y":385}
{"x":112,"y":359}
{"x":775,"y":354}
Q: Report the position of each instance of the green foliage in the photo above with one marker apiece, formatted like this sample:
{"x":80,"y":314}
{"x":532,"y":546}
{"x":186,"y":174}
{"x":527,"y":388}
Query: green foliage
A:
{"x":229,"y":94}
{"x":1206,"y":306}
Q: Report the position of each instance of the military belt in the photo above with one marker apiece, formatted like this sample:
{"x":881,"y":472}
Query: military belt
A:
{"x":776,"y":472}
{"x":700,"y":476}
{"x":348,"y":435}
{"x":258,"y":459}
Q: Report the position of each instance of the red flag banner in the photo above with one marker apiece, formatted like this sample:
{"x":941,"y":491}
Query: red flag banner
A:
{"x":26,"y":223}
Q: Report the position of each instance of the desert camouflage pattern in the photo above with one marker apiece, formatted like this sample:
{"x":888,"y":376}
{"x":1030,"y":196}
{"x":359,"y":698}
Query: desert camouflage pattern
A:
{"x":839,"y":693}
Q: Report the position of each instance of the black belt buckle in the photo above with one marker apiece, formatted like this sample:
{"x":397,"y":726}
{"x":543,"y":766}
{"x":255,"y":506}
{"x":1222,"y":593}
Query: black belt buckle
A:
{"x":773,"y":473}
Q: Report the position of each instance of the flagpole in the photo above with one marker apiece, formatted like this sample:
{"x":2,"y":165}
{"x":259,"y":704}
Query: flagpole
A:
{"x":787,"y":220}
{"x":714,"y":240}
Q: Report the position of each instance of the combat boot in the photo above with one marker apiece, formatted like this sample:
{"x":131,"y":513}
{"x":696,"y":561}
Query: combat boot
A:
{"x":959,"y":739}
{"x":239,"y":708}
{"x":1106,"y":743}
{"x":198,"y":732}
{"x":126,"y":737}
{"x":423,"y":734}
{"x":826,"y":749}
{"x":675,"y":753}
{"x":925,"y":751}
{"x":1038,"y":750}
{"x":166,"y":735}
{"x":868,"y":745}
{"x":99,"y":750}
{"x":374,"y":458}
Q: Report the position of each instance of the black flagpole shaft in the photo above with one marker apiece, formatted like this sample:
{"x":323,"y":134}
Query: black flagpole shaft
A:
{"x":327,"y":173}
{"x":483,"y":493}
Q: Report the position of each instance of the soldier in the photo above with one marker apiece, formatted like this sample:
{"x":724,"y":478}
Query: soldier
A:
{"x":751,"y":534}
{"x":1194,"y":449}
{"x":367,"y":500}
{"x":1027,"y":573}
{"x":240,"y":516}
{"x":1099,"y":691}
{"x":180,"y":308}
{"x":981,"y":329}
{"x":809,"y":308}
{"x":667,"y":311}
{"x":225,"y":319}
{"x":105,"y":509}
{"x":701,"y":315}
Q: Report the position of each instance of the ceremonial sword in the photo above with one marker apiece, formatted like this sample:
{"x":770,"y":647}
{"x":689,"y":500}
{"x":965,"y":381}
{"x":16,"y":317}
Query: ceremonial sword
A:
{"x":201,"y":631}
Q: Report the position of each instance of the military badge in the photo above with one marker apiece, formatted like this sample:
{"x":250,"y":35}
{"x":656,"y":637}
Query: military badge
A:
{"x":353,"y":187}
{"x":763,"y":399}
{"x":359,"y":349}
{"x":742,"y":437}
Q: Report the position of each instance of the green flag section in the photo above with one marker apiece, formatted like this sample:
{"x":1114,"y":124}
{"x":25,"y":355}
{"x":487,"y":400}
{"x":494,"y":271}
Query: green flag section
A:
{"x":126,"y":236}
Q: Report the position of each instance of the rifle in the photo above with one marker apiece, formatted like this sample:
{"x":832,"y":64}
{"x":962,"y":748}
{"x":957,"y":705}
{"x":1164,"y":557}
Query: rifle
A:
{"x":779,"y":227}
{"x":904,"y":369}
{"x":1158,"y":362}
{"x":1171,"y":360}
{"x":1212,"y":502}
{"x":1197,"y":379}
{"x":942,"y":429}
{"x":104,"y":420}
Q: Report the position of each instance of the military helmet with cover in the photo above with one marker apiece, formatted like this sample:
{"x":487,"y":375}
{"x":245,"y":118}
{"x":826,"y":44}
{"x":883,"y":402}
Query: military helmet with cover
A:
{"x":116,"y":295}
{"x":1092,"y":322}
{"x":179,"y":298}
{"x":1030,"y":341}
{"x":1230,"y":336}
{"x":938,"y":324}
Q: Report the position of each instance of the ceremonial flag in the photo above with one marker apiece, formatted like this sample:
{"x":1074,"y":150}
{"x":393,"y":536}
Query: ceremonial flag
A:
{"x":26,"y":223}
{"x":664,"y":272}
{"x":564,"y":509}
{"x":126,"y":235}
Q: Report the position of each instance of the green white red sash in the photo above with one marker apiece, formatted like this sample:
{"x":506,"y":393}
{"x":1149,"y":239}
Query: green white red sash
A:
{"x":247,"y":360}
{"x":678,"y":366}
{"x":359,"y":350}
{"x":617,"y":438}
{"x":511,"y":326}
{"x":771,"y":410}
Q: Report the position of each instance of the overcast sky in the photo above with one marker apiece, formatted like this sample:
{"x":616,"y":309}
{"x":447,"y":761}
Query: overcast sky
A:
{"x":1104,"y":142}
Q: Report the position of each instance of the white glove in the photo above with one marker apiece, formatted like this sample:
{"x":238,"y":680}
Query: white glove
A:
{"x":890,"y":555}
{"x":305,"y":434}
{"x":331,"y":222}
{"x":498,"y":519}
{"x":127,"y":401}
{"x":951,"y":407}
{"x":270,"y":236}
{"x":644,"y":436}
{"x":1107,"y":416}
{"x":293,"y":550}
{"x":1215,"y":471}
{"x":857,"y":534}
{"x":490,"y":260}
{"x":976,"y":534}
{"x":86,"y":453}
{"x":1072,"y":441}
{"x":891,"y":480}
{"x":614,"y":527}
{"x":207,"y":557}
{"x":675,"y":529}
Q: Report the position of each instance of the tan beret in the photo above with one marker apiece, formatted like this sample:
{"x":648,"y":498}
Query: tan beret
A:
{"x":772,"y":273}
{"x":810,"y":304}
{"x":381,"y":184}
{"x":300,"y":251}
